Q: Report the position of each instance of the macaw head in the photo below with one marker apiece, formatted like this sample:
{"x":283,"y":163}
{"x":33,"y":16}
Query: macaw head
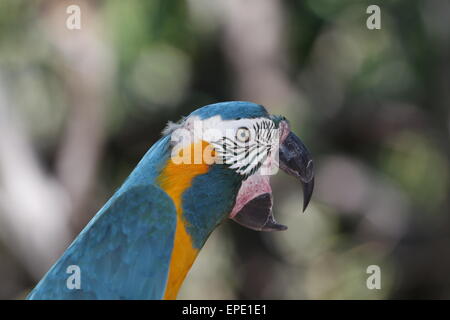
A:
{"x":234,"y":148}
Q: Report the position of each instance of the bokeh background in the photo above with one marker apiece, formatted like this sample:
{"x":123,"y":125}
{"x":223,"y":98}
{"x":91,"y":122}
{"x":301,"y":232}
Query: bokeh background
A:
{"x":79,"y":108}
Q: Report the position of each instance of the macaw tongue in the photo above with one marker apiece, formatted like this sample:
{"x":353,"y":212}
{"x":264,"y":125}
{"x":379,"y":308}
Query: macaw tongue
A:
{"x":253,"y":207}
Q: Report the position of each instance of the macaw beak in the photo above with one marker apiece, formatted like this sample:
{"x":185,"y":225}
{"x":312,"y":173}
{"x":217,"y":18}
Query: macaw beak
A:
{"x":253,"y":207}
{"x":296,"y":160}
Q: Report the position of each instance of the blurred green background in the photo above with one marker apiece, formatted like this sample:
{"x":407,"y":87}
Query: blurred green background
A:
{"x":79,"y":108}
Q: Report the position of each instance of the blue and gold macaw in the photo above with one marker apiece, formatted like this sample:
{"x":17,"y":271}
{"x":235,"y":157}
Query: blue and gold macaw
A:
{"x":213,"y":164}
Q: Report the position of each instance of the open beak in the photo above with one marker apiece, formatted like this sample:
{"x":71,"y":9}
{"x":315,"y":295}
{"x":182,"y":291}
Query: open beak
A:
{"x":296,"y":160}
{"x":253,"y":206}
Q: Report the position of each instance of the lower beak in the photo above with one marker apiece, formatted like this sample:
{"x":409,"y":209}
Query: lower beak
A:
{"x":296,"y":160}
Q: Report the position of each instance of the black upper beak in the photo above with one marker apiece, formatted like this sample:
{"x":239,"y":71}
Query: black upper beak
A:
{"x":296,"y":160}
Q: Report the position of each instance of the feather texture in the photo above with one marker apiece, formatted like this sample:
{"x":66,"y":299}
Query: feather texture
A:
{"x":123,"y":253}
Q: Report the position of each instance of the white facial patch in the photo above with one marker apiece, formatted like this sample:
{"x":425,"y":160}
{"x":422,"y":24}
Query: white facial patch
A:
{"x":246,"y":145}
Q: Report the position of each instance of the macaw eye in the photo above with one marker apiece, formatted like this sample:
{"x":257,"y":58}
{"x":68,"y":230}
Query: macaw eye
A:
{"x":243,"y":134}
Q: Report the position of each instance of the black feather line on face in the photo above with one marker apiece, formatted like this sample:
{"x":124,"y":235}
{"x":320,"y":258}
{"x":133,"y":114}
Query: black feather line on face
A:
{"x":232,"y":152}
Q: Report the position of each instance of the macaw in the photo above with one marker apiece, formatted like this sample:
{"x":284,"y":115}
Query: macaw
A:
{"x":213,"y":164}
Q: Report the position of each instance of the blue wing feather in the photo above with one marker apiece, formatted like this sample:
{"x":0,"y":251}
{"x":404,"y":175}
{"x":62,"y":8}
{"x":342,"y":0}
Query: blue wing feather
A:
{"x":123,"y":253}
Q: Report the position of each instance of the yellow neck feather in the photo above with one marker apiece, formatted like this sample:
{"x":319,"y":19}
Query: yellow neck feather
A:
{"x":174,"y":180}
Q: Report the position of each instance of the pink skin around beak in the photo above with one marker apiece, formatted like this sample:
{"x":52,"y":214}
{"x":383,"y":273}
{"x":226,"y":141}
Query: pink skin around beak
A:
{"x":253,"y":207}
